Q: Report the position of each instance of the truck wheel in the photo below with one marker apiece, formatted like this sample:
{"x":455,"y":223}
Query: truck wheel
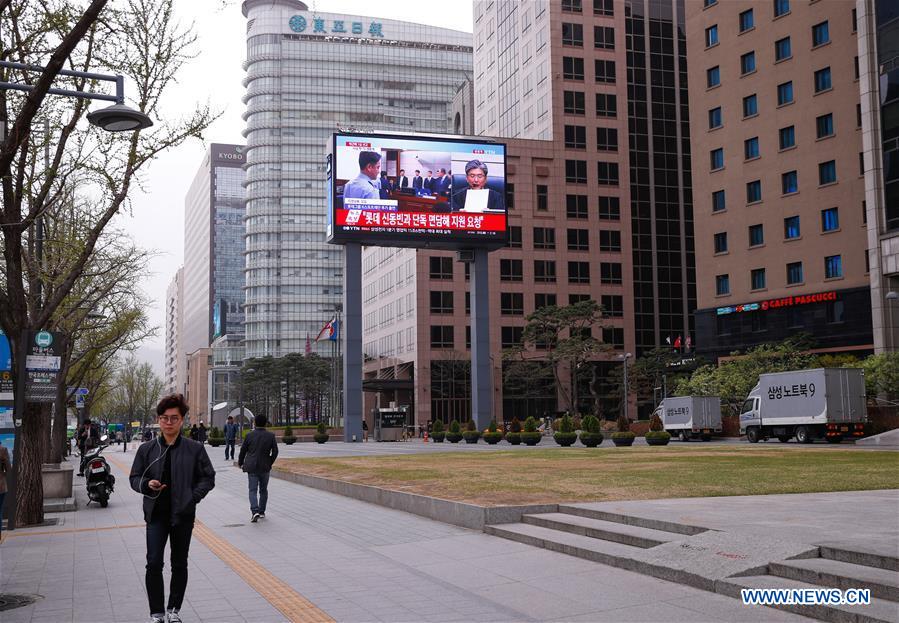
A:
{"x":803,"y":435}
{"x":784,"y":438}
{"x":753,"y":435}
{"x":685,"y":435}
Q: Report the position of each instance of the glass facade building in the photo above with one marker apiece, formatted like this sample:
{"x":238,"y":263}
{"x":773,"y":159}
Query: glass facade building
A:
{"x":308,"y":75}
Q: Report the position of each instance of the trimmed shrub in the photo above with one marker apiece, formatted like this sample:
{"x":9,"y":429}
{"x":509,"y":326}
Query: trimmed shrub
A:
{"x":515,"y":425}
{"x":492,"y":436}
{"x":591,"y":432}
{"x":531,"y":436}
{"x":565,"y":435}
{"x":216,"y":437}
{"x":454,"y":434}
{"x":288,"y":437}
{"x":438,"y":431}
{"x":321,"y":433}
{"x":471,"y":434}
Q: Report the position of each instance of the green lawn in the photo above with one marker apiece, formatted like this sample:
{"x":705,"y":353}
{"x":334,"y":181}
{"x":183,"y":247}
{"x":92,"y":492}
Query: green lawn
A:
{"x":555,"y":475}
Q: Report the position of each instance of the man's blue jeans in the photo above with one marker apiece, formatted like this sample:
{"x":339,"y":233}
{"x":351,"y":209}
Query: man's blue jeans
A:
{"x":260,"y":482}
{"x":229,"y":444}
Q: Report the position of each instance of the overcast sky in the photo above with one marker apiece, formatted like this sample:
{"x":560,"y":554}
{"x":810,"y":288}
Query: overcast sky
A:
{"x":216,"y":76}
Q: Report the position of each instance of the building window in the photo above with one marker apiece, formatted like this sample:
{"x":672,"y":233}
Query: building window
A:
{"x":854,"y":20}
{"x":791,"y":228}
{"x":574,"y":299}
{"x":442,"y":336}
{"x":716,"y":159}
{"x":827,"y":172}
{"x":607,"y":139}
{"x":746,"y":20}
{"x":757,"y":279}
{"x":572,"y":34}
{"x":514,"y":237}
{"x":441,"y":268}
{"x":511,"y":303}
{"x":715,"y":119}
{"x":609,"y":209}
{"x":578,"y":240}
{"x":820,"y":34}
{"x":722,"y":285}
{"x":756,"y":235}
{"x":578,"y":272}
{"x":747,"y":63}
{"x":824,"y":125}
{"x":606,"y":105}
{"x":785,"y":93}
{"x":543,"y":197}
{"x":721,"y":242}
{"x":604,"y":37}
{"x":718,"y":202}
{"x":833,"y":266}
{"x":543,"y":299}
{"x":750,"y":105}
{"x":830,"y":219}
{"x":603,"y":7}
{"x":609,"y":240}
{"x":510,"y":337}
{"x":510,"y":270}
{"x":856,"y":68}
{"x":575,"y":137}
{"x":789,"y":182}
{"x":571,"y":6}
{"x":607,"y":172}
{"x":610,"y":273}
{"x":510,"y":196}
{"x":605,"y":71}
{"x":544,"y":238}
{"x":576,"y":171}
{"x":574,"y":103}
{"x":753,"y":191}
{"x":545,"y":271}
{"x":572,"y":68}
{"x":781,"y":7}
{"x":711,"y":36}
{"x":833,"y":310}
{"x":858,"y":115}
{"x":861,"y":163}
{"x":782,"y":49}
{"x":713,"y":76}
{"x":787,"y":137}
{"x":758,"y":321}
{"x":707,"y":3}
{"x":612,"y":305}
{"x":576,"y":206}
{"x":751,"y":148}
{"x":822,"y":80}
{"x":441,"y":302}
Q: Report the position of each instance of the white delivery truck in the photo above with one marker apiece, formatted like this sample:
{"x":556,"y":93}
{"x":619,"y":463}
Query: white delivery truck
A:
{"x":691,"y":416}
{"x":824,"y":403}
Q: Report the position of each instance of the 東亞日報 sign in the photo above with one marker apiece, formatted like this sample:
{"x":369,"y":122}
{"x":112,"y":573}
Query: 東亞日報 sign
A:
{"x":321,"y":26}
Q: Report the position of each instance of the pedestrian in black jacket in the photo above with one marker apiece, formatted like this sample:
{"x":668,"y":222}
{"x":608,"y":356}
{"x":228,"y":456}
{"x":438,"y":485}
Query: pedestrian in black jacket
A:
{"x":257,"y":453}
{"x":173,"y":473}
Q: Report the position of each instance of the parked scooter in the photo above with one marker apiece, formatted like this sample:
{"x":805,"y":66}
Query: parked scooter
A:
{"x":97,"y":474}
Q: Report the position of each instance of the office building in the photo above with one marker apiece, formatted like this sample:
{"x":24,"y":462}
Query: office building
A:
{"x":197,"y":394}
{"x":213,"y":272}
{"x":778,"y":175}
{"x":310,"y":74}
{"x":175,"y":365}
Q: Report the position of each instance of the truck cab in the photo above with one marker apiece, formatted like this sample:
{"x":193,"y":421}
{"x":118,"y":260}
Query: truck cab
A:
{"x":749,"y":412}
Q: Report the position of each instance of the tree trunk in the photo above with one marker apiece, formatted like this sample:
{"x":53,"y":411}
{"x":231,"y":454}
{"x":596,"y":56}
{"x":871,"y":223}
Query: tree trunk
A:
{"x":29,"y":487}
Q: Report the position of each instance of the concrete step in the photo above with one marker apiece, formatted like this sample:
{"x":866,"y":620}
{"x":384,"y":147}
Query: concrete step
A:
{"x":869,"y":558}
{"x":642,"y":522}
{"x":883,"y":583}
{"x":878,"y":611}
{"x":601,"y":529}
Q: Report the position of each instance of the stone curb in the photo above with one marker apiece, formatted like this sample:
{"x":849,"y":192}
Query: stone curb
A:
{"x":455,"y":513}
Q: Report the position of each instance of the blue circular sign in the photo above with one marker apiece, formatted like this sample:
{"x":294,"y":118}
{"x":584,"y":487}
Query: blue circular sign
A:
{"x":43,"y":339}
{"x":298,"y":23}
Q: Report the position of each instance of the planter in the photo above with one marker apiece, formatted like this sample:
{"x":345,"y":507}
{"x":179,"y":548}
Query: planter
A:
{"x":623,"y":439}
{"x":514,"y":438}
{"x":320,"y":438}
{"x":591,"y":440}
{"x":438,"y":437}
{"x":215,"y":442}
{"x":493,"y":438}
{"x":657,"y":438}
{"x":56,"y":480}
{"x":471,"y":436}
{"x":289,"y":441}
{"x":454,"y":437}
{"x":531,"y":439}
{"x":565,"y":439}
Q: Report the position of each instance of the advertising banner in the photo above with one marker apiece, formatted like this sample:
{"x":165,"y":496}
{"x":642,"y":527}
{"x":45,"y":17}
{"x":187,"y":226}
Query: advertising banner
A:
{"x":417,"y":191}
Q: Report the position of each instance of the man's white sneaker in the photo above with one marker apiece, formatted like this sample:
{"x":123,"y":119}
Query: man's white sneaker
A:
{"x":173,"y":616}
{"x":254,"y":518}
{"x":157,"y":618}
{"x":261,"y":515}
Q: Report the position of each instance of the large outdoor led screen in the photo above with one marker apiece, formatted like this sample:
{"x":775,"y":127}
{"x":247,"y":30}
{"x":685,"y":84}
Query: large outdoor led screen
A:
{"x":417,"y":191}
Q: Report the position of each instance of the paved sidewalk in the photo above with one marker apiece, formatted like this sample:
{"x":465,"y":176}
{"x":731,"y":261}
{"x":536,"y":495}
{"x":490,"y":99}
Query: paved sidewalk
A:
{"x":355,"y":561}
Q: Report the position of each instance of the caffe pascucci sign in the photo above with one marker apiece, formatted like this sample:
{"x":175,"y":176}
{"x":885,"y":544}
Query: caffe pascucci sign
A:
{"x":321,"y":26}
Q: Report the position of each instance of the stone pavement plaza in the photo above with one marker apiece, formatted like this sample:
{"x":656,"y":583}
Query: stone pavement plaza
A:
{"x":319,"y":557}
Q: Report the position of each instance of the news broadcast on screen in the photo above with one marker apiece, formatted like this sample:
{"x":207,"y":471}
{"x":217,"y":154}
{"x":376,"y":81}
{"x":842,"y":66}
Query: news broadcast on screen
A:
{"x":417,"y":191}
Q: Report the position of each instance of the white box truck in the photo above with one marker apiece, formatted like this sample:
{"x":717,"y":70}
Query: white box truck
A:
{"x":824,"y":403}
{"x":691,"y":416}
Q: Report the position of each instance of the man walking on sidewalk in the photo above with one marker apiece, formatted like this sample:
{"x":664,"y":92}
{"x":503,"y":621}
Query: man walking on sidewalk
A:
{"x":230,"y":436}
{"x":173,"y":474}
{"x":257,"y":453}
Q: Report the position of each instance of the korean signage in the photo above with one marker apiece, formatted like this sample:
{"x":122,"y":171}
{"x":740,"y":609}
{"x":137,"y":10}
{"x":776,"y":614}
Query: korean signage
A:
{"x":788,"y":301}
{"x":6,"y":384}
{"x":416,"y":191}
{"x":320,"y":26}
{"x":778,"y":392}
{"x":43,"y":360}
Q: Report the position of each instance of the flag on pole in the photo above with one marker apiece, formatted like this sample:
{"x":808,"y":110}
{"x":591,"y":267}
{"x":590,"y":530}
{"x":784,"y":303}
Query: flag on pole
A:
{"x":308,"y":344}
{"x":689,"y":343}
{"x":668,"y":340}
{"x":329,"y":331}
{"x":677,"y":342}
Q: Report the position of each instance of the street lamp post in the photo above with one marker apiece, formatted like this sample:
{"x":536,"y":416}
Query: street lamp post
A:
{"x":624,"y":358}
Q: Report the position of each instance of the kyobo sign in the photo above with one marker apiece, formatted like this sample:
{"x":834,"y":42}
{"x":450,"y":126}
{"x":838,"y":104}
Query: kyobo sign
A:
{"x":321,"y":26}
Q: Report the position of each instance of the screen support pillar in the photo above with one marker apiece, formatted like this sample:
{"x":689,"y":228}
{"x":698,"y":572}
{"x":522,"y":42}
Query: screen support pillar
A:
{"x":352,"y":356}
{"x":481,"y":370}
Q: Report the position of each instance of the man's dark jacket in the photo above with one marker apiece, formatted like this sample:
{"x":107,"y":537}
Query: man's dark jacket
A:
{"x":231,"y":432}
{"x":192,"y":476}
{"x":258,"y":451}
